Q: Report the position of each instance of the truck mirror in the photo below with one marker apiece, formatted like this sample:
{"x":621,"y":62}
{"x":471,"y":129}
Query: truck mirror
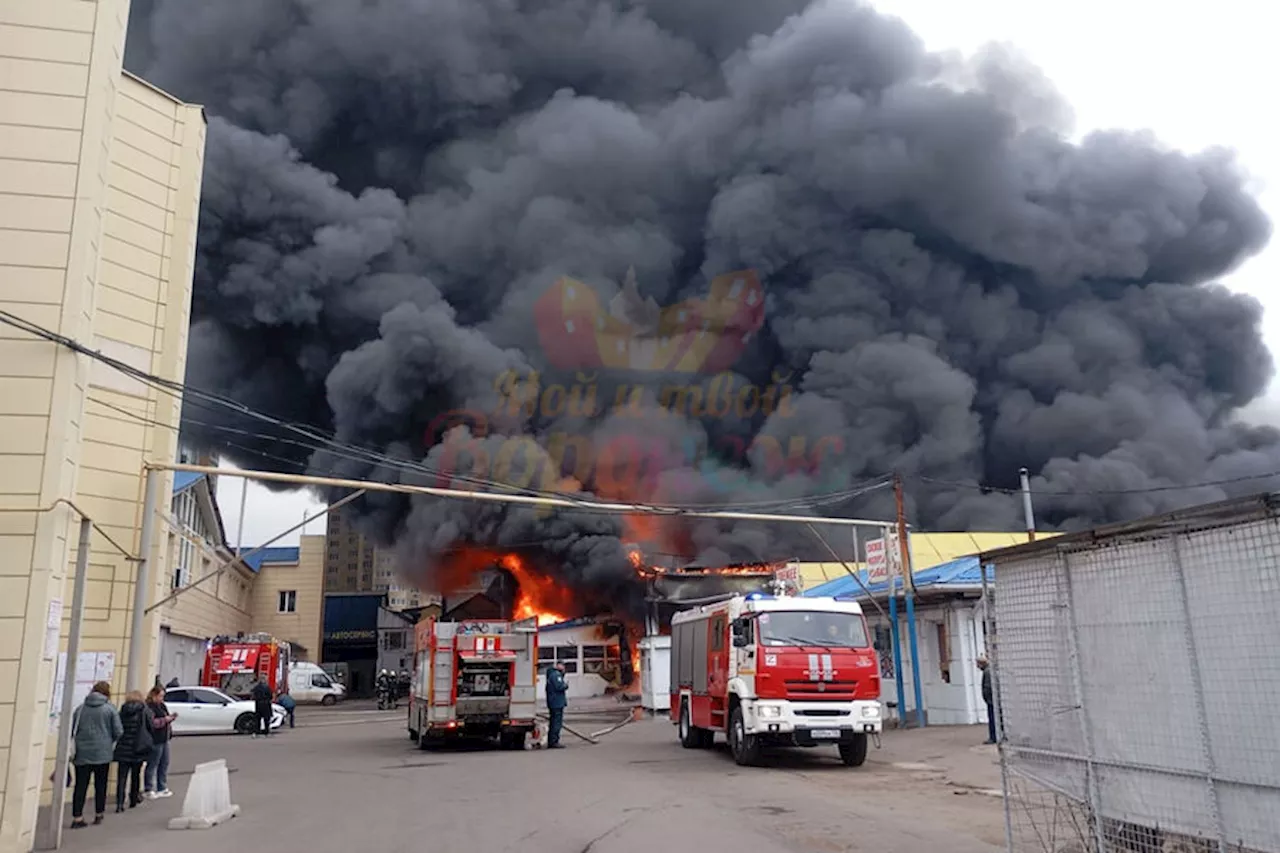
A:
{"x":741,"y":633}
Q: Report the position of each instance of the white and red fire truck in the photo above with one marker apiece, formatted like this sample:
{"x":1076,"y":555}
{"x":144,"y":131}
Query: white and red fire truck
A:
{"x":233,"y":664}
{"x":775,"y":671}
{"x":474,"y":678}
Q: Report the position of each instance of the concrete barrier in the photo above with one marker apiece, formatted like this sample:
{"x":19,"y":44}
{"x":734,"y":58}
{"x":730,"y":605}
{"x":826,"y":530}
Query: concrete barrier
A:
{"x":208,"y":801}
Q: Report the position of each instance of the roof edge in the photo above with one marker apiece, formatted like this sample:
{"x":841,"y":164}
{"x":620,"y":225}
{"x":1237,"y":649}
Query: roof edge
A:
{"x":1220,"y":513}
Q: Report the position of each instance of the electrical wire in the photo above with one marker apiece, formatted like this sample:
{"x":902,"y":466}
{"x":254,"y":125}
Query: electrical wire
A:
{"x":1207,"y":484}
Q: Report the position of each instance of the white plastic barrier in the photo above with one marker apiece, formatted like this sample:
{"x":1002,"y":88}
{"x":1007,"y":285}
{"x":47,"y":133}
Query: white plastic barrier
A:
{"x":208,"y":802}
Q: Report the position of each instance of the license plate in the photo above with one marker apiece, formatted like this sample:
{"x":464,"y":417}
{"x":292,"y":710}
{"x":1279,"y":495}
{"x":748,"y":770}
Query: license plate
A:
{"x":826,"y":734}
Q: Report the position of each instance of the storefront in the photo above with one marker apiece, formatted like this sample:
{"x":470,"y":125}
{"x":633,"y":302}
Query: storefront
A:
{"x":351,"y":637}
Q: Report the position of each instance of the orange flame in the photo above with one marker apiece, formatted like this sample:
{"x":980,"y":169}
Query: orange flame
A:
{"x":538,"y":596}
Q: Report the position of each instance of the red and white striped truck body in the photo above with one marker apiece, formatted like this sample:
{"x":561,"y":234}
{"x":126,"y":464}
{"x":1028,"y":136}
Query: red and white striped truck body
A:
{"x":775,"y":671}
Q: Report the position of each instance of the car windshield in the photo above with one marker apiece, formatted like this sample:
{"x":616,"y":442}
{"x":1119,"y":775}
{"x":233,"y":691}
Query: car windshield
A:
{"x":813,"y":628}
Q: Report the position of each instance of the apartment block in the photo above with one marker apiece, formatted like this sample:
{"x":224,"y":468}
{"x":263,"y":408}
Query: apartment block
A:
{"x":349,"y":556}
{"x":100,"y":179}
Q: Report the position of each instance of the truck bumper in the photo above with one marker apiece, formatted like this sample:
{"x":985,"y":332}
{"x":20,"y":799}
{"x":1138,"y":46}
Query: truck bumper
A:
{"x":808,"y":723}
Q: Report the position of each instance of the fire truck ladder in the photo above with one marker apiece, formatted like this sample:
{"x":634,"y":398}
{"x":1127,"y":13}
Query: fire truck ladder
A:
{"x":442,"y":664}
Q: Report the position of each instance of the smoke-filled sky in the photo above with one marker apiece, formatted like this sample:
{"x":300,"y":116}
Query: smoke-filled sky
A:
{"x":951,"y":287}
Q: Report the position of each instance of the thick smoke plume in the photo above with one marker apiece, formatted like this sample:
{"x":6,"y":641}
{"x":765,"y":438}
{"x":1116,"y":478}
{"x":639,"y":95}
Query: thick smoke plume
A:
{"x":951,"y":289}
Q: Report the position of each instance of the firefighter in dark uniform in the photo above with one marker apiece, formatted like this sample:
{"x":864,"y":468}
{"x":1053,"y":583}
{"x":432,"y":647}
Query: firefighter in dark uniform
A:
{"x":557,"y":700}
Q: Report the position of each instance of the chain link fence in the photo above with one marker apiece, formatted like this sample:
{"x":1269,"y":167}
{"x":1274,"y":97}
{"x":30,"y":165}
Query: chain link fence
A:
{"x":1137,"y":681}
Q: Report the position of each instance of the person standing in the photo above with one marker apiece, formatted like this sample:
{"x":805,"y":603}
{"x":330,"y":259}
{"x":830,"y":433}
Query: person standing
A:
{"x":557,"y":701}
{"x":988,"y":697}
{"x":95,"y":729}
{"x":156,"y":777}
{"x":261,"y":694}
{"x":133,"y":748}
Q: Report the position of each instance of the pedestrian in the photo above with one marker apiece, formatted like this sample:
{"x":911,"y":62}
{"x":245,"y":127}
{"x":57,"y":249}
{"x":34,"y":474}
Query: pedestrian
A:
{"x":557,"y":700}
{"x":261,"y":694}
{"x":988,"y":698}
{"x":286,"y":702}
{"x":96,"y":727}
{"x":156,"y":778}
{"x":133,"y":748}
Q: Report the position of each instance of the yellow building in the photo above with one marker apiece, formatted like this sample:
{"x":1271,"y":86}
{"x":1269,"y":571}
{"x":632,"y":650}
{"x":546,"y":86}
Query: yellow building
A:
{"x":288,"y":595}
{"x":927,"y":550}
{"x":99,"y":191}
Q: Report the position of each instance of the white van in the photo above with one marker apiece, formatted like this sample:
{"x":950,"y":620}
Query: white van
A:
{"x":309,"y":683}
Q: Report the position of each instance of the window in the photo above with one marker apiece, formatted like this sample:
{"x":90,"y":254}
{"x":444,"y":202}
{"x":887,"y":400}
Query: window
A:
{"x":287,"y":601}
{"x":944,"y":651}
{"x":602,"y":661}
{"x":319,"y":680}
{"x":177,"y":696}
{"x":717,"y":634}
{"x":205,"y":697}
{"x":564,"y":655}
{"x":813,"y":628}
{"x":393,"y":640}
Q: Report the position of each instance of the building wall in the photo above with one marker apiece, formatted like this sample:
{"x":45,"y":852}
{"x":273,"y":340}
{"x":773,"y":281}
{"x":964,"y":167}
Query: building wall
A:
{"x":211,"y":602}
{"x":954,"y":702}
{"x":306,"y":578}
{"x":348,"y":556}
{"x":99,"y":188}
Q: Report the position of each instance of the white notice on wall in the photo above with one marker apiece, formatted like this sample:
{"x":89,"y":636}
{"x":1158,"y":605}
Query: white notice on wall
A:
{"x":53,"y":629}
{"x":91,"y":667}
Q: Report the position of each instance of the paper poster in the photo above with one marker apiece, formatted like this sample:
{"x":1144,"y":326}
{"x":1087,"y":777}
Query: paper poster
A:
{"x":91,"y":667}
{"x":53,"y":629}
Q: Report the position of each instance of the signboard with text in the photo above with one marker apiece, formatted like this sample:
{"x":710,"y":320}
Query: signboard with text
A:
{"x":877,"y":561}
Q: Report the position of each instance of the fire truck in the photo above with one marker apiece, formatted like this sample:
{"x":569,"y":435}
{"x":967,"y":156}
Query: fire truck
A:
{"x":474,"y":678}
{"x":233,"y":664}
{"x":775,"y":670}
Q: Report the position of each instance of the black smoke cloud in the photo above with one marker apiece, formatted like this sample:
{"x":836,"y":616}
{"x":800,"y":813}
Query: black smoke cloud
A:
{"x":954,"y":290}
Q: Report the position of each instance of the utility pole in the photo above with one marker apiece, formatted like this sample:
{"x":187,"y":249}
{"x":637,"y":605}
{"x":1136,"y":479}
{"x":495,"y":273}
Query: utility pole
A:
{"x":1027,"y":511}
{"x":909,"y":586}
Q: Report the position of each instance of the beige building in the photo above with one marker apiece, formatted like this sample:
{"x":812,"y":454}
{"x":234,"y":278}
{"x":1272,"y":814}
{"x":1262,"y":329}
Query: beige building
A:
{"x":209,"y":593}
{"x":99,"y":191}
{"x":288,"y":595}
{"x":387,"y":579}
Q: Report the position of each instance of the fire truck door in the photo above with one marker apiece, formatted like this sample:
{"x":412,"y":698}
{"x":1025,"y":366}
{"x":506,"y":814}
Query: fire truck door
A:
{"x":718,"y":654}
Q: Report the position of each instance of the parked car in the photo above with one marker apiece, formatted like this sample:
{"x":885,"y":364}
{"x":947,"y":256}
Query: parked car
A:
{"x":309,"y":683}
{"x":207,"y":710}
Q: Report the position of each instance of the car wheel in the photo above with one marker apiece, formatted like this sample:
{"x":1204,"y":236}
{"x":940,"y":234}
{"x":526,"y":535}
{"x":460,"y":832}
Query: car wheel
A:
{"x":328,"y":700}
{"x":246,"y":724}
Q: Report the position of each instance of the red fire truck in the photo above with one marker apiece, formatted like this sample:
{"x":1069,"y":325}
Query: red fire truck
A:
{"x":232,"y":664}
{"x":775,"y":671}
{"x":474,"y":678}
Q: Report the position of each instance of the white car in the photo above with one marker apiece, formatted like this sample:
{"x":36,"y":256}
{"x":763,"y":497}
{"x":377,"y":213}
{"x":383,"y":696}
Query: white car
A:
{"x":207,"y":710}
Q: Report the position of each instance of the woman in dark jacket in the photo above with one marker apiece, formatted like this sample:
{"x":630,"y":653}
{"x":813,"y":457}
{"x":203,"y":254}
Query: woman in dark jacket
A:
{"x":133,"y":748}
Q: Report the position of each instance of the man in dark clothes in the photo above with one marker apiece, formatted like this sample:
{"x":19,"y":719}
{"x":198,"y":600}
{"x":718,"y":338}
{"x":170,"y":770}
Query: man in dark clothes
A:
{"x":987,"y":697}
{"x":557,"y":699}
{"x":261,"y":694}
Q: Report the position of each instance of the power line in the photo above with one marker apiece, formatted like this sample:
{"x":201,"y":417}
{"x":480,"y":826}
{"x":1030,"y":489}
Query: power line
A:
{"x":1207,"y":484}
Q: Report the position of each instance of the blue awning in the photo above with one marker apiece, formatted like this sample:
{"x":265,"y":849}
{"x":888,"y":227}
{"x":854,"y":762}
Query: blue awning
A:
{"x":964,"y":573}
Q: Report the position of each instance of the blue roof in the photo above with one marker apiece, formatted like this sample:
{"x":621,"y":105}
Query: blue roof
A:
{"x":269,"y":555}
{"x":184,"y":479}
{"x":962,"y":573}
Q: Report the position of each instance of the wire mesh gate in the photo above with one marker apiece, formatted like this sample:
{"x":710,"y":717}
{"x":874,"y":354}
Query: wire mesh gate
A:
{"x":1137,"y":682}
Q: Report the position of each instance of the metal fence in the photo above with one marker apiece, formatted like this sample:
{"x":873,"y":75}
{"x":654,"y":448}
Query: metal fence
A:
{"x":1137,"y":676}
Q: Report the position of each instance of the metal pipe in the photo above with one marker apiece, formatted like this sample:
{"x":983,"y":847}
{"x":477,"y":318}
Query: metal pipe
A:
{"x":528,"y":500}
{"x":52,"y":833}
{"x":229,"y":563}
{"x":1027,"y":511}
{"x":142,"y":580}
{"x":989,"y":635}
{"x":244,"y":499}
{"x":915,"y":657}
{"x":898,"y":669}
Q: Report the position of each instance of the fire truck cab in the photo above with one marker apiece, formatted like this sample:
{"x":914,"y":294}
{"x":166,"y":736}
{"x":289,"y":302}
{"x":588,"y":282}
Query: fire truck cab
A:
{"x":775,"y":671}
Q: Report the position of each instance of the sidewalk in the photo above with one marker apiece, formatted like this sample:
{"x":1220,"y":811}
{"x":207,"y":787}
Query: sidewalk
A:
{"x":955,"y":755}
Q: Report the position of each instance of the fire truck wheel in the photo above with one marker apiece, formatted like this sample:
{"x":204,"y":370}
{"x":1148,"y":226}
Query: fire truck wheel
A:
{"x":690,"y":738}
{"x":745,"y":747}
{"x":853,"y":754}
{"x":511,"y":740}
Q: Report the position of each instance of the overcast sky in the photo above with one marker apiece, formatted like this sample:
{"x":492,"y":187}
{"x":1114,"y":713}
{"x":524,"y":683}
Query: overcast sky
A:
{"x":1194,"y":75}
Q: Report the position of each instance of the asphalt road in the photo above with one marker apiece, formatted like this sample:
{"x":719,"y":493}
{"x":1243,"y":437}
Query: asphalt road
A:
{"x":349,"y":779}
